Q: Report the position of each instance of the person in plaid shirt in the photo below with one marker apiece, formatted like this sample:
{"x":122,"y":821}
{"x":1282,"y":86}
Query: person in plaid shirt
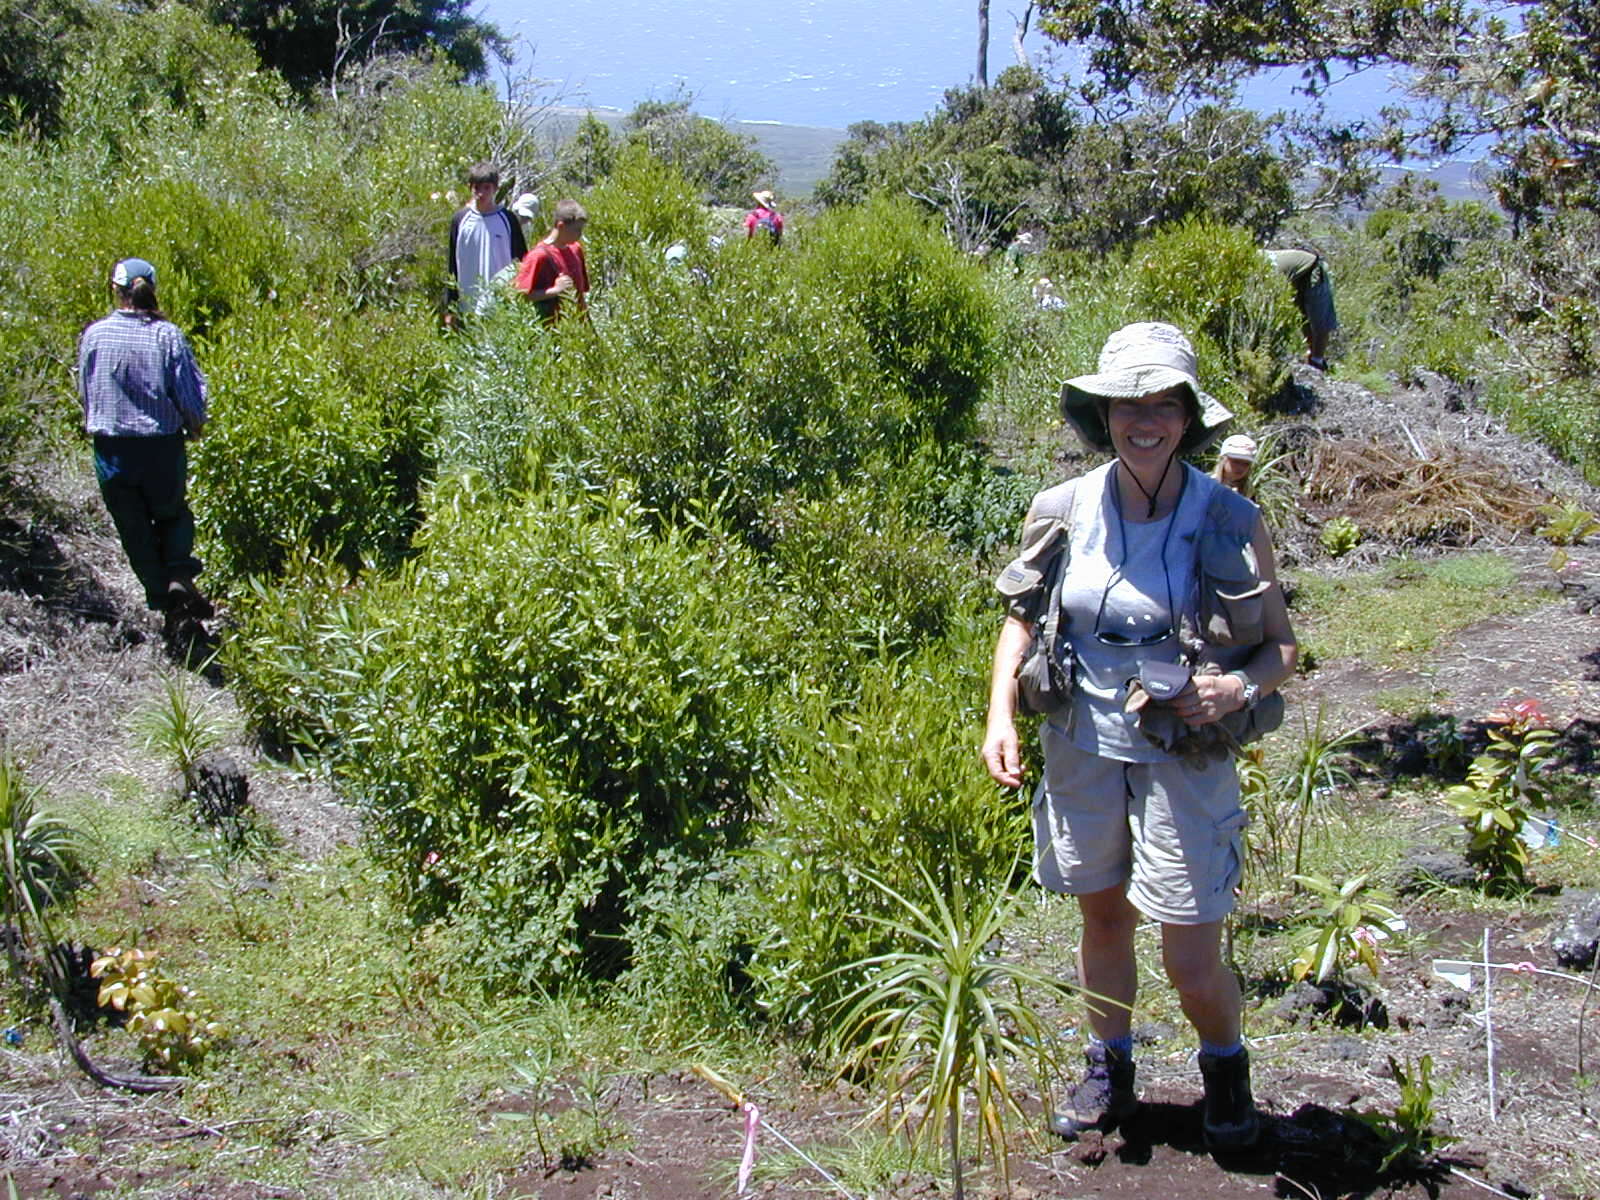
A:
{"x":143,"y":396}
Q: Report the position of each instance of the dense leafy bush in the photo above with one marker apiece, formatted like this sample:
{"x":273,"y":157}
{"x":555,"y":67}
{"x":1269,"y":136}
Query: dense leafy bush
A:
{"x":859,"y":580}
{"x":318,"y":434}
{"x":889,"y":786}
{"x":721,"y":165}
{"x":153,"y":76}
{"x":1416,"y":283}
{"x":549,"y":695}
{"x":1214,"y":283}
{"x":957,"y":492}
{"x":927,"y":315}
{"x":688,"y":950}
{"x":732,"y":391}
{"x":635,"y":213}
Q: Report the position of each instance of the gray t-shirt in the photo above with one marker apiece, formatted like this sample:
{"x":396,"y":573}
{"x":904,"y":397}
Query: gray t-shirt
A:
{"x":1117,"y":558}
{"x":483,"y":250}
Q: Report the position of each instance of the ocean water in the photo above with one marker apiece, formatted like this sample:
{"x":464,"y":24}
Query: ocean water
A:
{"x":806,"y":62}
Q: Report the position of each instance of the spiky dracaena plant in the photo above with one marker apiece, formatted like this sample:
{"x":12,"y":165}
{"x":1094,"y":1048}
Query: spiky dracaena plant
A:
{"x":38,"y":858}
{"x":946,"y":1016}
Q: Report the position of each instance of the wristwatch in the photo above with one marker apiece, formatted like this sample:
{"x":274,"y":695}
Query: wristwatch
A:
{"x":1252,"y":690}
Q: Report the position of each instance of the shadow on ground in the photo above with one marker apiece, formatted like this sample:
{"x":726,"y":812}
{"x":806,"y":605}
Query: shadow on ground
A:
{"x":1314,"y":1151}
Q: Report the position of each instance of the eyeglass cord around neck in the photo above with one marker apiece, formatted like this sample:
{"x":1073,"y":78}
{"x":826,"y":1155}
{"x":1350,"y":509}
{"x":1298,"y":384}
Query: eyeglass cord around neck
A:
{"x":1110,"y":639}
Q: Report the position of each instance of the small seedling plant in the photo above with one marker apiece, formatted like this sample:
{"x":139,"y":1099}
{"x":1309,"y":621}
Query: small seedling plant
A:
{"x":1502,"y":784}
{"x":1409,"y":1131}
{"x":172,"y":1024}
{"x":1340,"y":536}
{"x":39,"y":855}
{"x":181,"y":725}
{"x":944,"y":1016}
{"x":1567,"y":524}
{"x":1346,"y":930}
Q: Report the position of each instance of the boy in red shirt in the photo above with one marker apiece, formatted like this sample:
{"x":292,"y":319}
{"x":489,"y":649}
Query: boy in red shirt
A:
{"x":554,"y":269}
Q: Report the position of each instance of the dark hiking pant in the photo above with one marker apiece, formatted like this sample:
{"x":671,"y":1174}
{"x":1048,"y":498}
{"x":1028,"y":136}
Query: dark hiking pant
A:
{"x":142,"y":481}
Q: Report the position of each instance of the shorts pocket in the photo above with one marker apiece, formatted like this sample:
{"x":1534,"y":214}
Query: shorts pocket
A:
{"x":1227,"y":852}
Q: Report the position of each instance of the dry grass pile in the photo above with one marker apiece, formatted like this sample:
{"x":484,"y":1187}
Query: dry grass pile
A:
{"x":1445,"y":497}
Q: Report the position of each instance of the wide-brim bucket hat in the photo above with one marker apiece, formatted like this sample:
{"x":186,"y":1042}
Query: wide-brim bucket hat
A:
{"x":1138,"y":359}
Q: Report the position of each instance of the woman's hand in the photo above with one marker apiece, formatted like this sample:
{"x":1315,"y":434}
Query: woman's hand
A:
{"x":1002,"y":753}
{"x":1211,"y":698}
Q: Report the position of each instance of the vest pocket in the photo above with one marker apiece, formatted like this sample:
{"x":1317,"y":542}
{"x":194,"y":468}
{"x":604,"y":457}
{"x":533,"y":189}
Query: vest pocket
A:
{"x":1233,"y":612}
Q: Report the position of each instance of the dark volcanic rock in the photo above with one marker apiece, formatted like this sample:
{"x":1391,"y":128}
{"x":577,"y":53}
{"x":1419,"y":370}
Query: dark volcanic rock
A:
{"x":1420,"y":870}
{"x":1579,"y":937}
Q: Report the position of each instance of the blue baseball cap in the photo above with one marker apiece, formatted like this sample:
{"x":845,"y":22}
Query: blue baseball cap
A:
{"x":129,"y":269}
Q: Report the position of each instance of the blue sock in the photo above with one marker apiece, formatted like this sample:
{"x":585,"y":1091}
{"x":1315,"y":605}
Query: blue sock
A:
{"x":1122,"y":1046}
{"x":1220,"y":1049}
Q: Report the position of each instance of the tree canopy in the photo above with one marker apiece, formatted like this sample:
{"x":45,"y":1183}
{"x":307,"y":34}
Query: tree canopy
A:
{"x":307,"y":40}
{"x":1525,"y":75}
{"x":995,"y":160}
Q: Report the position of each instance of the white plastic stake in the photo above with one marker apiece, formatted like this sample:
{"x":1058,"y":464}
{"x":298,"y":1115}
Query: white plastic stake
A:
{"x":1488,"y":1020}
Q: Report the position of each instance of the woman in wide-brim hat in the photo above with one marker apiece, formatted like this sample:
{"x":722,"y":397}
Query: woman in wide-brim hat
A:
{"x":1132,"y":830}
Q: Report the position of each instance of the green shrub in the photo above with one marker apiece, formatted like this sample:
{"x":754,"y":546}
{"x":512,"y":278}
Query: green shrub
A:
{"x":857,"y":580}
{"x":298,"y":656}
{"x":318,"y":432}
{"x":720,"y":392}
{"x":929,"y":318}
{"x":635,"y":213}
{"x":1213,"y":283}
{"x":688,"y":949}
{"x":150,"y":76}
{"x":890,"y":787}
{"x":958,"y":492}
{"x":1562,"y":414}
{"x":547,"y":697}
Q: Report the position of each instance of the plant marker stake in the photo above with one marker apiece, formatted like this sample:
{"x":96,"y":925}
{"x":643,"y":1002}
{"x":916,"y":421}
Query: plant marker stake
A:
{"x":732,"y":1093}
{"x":1488,"y":1019}
{"x":752,"y":1125}
{"x":1459,"y":972}
{"x":1583,"y":1008}
{"x":1480,"y":1183}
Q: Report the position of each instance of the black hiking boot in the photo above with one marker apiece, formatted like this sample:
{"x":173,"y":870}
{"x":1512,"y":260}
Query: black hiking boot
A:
{"x":1230,"y":1122}
{"x":1104,"y":1098}
{"x":186,"y":599}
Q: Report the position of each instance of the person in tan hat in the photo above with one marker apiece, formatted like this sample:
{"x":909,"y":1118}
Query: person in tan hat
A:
{"x":1116,"y":565}
{"x":764,"y":218}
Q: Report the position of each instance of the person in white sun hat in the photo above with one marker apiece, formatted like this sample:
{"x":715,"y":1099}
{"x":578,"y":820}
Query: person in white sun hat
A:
{"x":1157,"y":584}
{"x":1235,"y":457}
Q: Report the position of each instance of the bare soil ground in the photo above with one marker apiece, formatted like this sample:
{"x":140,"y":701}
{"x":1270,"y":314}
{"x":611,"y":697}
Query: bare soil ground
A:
{"x":76,"y":650}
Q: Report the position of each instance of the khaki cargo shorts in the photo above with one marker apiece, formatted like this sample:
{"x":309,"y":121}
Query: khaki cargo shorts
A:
{"x":1170,"y":832}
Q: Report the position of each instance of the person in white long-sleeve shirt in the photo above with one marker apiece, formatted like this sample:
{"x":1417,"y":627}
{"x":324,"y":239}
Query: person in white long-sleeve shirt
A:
{"x":485,"y":239}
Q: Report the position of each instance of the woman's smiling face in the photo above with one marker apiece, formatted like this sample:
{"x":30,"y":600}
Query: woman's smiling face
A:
{"x":1145,"y":430}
